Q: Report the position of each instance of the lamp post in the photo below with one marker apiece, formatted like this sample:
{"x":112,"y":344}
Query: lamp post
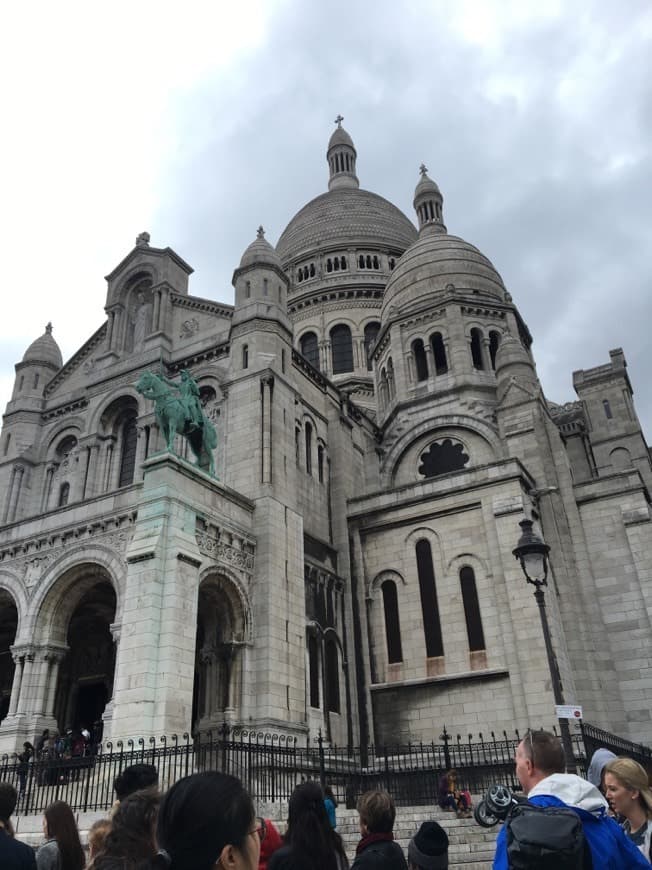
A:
{"x":532,"y":554}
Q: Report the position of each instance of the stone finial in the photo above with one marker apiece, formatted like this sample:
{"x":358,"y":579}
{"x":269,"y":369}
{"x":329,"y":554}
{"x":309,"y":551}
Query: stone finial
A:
{"x":423,"y":169}
{"x":48,"y":328}
{"x":339,"y":120}
{"x":142,"y":240}
{"x":260,"y":233}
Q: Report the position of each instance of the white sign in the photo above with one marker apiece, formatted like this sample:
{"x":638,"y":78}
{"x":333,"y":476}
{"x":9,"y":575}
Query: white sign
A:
{"x":568,"y":711}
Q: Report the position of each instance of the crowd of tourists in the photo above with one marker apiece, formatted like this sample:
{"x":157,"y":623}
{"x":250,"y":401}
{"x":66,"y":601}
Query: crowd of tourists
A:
{"x":207,"y":821}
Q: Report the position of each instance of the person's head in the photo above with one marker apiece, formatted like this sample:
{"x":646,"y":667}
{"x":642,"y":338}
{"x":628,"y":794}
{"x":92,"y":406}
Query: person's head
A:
{"x":538,"y":755}
{"x":97,"y":834}
{"x":131,"y":838}
{"x":329,"y":794}
{"x":599,"y":760}
{"x":208,"y":819}
{"x":134,"y":778}
{"x":377,"y":813}
{"x":627,"y":787}
{"x":8,"y":800}
{"x":309,"y":832}
{"x":428,"y":849}
{"x":59,"y":824}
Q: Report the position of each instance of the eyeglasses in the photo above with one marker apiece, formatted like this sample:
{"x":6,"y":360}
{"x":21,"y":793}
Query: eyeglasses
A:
{"x":260,"y":829}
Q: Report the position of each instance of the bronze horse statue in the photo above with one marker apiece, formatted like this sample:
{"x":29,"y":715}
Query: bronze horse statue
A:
{"x":181,"y":415}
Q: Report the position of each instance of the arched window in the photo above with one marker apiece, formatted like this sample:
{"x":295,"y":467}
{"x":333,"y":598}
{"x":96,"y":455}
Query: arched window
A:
{"x":476,"y":348}
{"x":471,"y":609}
{"x":312,"y":270}
{"x":392,"y":623}
{"x":297,"y":442}
{"x":392,"y":262}
{"x":368,"y":261}
{"x":21,"y":383}
{"x":329,"y":265}
{"x":361,"y":261}
{"x":390,"y":378}
{"x":64,"y":494}
{"x":313,"y":668}
{"x":494,"y":344}
{"x":308,"y":434}
{"x":376,"y":263}
{"x":343,"y":263}
{"x":420,"y":362}
{"x":310,"y":348}
{"x":320,"y":463}
{"x":429,"y":605}
{"x":65,"y":446}
{"x":265,"y":287}
{"x":36,"y":380}
{"x":371,"y":331}
{"x":607,"y":409}
{"x":384,"y":392}
{"x":248,"y":289}
{"x":439,"y":353}
{"x":337,"y":265}
{"x":332,"y":667}
{"x":245,"y":356}
{"x":128,"y":455}
{"x":341,"y":349}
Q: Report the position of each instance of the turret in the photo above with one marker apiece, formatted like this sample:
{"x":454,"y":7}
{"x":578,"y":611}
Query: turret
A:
{"x":341,"y":156}
{"x":429,"y":204}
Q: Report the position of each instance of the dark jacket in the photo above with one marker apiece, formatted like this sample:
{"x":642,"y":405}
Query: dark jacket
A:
{"x":15,"y":855}
{"x":284,"y":859}
{"x":382,"y":855}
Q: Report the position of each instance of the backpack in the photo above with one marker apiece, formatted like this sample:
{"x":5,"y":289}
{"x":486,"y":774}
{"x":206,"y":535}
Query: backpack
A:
{"x":546,"y":838}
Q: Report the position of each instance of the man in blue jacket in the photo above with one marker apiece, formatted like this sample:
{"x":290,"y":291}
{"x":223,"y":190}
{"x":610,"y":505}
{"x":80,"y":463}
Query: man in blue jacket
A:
{"x":540,"y":766}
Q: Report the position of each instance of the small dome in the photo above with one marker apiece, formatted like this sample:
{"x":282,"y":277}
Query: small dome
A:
{"x":435,"y":263}
{"x":425,"y":186}
{"x":340,"y":137}
{"x":44,"y":350}
{"x":260,"y":252}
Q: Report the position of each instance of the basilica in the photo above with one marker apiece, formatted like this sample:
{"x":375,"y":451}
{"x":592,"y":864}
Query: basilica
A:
{"x":348,"y":567}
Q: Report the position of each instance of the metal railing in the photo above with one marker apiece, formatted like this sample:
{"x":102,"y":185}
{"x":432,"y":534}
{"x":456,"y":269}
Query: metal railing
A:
{"x":271,"y":765}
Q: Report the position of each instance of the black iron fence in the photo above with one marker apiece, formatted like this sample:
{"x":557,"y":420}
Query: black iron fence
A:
{"x":271,"y":765}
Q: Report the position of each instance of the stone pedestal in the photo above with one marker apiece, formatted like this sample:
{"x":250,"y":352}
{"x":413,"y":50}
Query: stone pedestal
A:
{"x":154,"y":677}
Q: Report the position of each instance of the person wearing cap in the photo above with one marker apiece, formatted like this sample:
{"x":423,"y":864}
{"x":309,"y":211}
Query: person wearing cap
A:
{"x":377,"y":848}
{"x":428,"y":849}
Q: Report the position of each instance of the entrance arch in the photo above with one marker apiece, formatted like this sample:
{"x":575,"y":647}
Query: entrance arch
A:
{"x":86,"y":673}
{"x":8,"y":628}
{"x":222,"y":632}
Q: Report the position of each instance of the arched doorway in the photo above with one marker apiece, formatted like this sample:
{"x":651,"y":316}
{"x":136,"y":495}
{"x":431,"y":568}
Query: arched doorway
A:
{"x":86,"y":674}
{"x":8,"y":627}
{"x":222,"y":622}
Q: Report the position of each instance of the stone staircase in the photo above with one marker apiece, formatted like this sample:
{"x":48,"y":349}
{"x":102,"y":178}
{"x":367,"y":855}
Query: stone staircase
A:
{"x":470,"y":846}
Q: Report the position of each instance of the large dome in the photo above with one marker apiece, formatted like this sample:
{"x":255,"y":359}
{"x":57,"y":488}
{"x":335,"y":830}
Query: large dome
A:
{"x":435,"y":261}
{"x":342,"y":217}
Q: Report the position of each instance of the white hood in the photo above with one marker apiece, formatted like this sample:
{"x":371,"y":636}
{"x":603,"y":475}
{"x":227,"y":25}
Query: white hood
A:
{"x":572,"y":790}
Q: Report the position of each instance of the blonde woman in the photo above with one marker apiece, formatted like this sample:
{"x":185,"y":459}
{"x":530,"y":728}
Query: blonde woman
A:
{"x":628,"y":791}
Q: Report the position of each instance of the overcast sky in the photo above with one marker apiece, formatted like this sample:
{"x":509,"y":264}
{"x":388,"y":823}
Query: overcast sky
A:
{"x":198,"y":121}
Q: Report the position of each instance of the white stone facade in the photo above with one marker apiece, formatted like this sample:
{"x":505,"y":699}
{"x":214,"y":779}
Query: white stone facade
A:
{"x":381,"y":432}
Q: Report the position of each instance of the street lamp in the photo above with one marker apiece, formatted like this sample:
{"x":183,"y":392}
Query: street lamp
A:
{"x":532,"y":554}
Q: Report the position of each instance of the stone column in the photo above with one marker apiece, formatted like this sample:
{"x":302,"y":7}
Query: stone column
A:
{"x":28,"y":670}
{"x":409,"y":358}
{"x":109,"y":329}
{"x":47,"y":488}
{"x":157,"y":311}
{"x":17,"y":683}
{"x":140,"y":451}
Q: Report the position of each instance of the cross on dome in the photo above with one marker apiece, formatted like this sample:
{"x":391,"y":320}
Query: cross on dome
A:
{"x":48,"y":328}
{"x":423,"y":169}
{"x":260,"y":234}
{"x":339,"y":120}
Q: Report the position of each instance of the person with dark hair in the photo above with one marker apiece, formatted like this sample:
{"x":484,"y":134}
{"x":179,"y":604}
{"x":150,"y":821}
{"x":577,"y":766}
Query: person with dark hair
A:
{"x":134,"y":778}
{"x":207,"y":821}
{"x":14,"y":855}
{"x":24,"y":759}
{"x":131,"y":841}
{"x":428,"y":849}
{"x":310,"y":841}
{"x":540,"y":768}
{"x":377,"y":848}
{"x":62,"y":849}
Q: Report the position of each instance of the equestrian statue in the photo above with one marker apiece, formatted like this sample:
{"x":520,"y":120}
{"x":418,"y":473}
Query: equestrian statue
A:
{"x":181,"y":413}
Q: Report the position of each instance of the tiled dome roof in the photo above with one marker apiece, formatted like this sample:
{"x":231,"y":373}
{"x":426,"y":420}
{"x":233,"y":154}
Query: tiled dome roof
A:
{"x":434,"y":261}
{"x":342,"y":217}
{"x":44,"y":350}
